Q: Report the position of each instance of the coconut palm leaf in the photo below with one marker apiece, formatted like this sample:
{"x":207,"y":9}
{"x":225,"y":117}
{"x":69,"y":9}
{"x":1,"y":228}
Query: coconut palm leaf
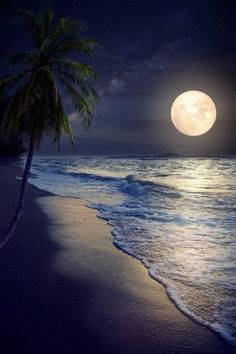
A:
{"x":9,"y":82}
{"x":35,"y":23}
{"x":83,"y":102}
{"x":20,"y":58}
{"x":37,"y":91}
{"x":85,"y":46}
{"x":80,"y":71}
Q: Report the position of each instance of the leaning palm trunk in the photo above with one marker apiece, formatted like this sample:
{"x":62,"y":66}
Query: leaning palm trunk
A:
{"x":9,"y":230}
{"x":36,"y":106}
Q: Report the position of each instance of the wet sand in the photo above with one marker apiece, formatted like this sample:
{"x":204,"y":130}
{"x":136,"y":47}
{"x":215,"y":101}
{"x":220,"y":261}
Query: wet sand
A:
{"x":65,"y":288}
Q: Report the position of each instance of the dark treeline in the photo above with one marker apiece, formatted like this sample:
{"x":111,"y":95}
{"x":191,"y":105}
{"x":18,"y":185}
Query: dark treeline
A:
{"x":10,"y":146}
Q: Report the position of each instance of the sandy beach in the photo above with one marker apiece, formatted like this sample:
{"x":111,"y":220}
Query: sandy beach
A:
{"x":66,"y":289}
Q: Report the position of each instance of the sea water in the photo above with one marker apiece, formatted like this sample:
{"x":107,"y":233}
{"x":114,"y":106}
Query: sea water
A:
{"x":176,"y":215}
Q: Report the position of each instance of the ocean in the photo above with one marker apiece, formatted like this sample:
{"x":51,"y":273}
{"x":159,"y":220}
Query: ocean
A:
{"x":176,"y":215}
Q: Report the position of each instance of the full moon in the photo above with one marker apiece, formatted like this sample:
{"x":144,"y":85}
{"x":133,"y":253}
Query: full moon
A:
{"x":193,"y":113}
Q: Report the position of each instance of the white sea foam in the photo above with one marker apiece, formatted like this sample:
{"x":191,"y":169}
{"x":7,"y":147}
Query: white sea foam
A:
{"x":177,"y":216}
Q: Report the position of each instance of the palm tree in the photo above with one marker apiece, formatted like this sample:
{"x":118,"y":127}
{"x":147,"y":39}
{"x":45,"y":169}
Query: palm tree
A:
{"x":45,"y":75}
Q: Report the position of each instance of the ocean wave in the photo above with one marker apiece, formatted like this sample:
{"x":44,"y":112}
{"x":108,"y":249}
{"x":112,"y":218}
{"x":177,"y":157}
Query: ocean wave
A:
{"x":223,"y":330}
{"x":177,"y":227}
{"x":129,"y":184}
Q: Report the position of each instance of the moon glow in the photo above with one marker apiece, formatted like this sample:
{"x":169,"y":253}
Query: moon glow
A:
{"x":193,"y":113}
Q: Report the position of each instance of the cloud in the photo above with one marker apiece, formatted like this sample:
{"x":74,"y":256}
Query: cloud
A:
{"x":116,"y":85}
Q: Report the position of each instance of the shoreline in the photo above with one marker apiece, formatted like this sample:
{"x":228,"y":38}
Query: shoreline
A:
{"x":79,"y":291}
{"x":179,"y":306}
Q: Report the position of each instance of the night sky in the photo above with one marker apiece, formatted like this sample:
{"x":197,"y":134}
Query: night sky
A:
{"x":152,"y":50}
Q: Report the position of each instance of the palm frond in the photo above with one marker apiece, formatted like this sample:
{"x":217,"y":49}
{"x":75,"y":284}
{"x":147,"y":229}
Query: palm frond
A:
{"x":44,"y":47}
{"x":11,"y":118}
{"x":91,"y":96}
{"x":16,"y":58}
{"x":83,"y":103}
{"x":10,"y":81}
{"x":36,"y":26}
{"x":36,"y":106}
{"x":27,"y":93}
{"x":65,"y":27}
{"x":62,"y":125}
{"x":20,"y":106}
{"x":75,"y":69}
{"x":85,"y":46}
{"x":47,"y":21}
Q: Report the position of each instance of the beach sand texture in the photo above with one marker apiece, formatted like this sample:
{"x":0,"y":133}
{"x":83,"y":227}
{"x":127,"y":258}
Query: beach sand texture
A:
{"x":66,"y":289}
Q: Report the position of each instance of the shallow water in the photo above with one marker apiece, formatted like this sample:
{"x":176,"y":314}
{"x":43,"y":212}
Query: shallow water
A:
{"x":177,"y":215}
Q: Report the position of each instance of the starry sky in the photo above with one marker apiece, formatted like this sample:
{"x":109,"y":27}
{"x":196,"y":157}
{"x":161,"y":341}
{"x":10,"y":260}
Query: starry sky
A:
{"x":152,"y":50}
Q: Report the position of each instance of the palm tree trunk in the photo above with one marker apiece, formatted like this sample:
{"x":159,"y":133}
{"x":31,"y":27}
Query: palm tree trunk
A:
{"x":8,"y":232}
